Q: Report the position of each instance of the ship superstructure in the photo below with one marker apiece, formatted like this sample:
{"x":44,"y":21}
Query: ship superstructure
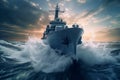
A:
{"x":60,"y":37}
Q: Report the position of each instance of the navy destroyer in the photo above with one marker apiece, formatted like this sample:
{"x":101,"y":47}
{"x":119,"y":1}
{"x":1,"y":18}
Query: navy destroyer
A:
{"x":60,"y":37}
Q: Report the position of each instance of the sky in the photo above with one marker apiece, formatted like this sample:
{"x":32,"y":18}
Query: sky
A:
{"x":20,"y":19}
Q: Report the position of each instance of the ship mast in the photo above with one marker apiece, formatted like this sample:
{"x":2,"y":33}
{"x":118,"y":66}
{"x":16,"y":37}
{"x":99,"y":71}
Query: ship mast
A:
{"x":57,"y":10}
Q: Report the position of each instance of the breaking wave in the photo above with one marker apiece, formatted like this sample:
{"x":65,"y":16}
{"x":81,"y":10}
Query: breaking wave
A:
{"x":42,"y":58}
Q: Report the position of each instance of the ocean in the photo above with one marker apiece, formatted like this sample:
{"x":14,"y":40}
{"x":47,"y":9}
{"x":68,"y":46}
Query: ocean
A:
{"x":34,"y":60}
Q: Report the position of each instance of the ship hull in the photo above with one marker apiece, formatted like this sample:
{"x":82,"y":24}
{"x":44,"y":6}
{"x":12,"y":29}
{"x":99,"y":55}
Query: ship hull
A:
{"x":65,"y":41}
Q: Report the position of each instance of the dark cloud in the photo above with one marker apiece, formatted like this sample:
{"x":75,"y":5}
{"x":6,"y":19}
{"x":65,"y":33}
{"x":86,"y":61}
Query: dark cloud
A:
{"x":104,"y":4}
{"x":109,"y":34}
{"x":8,"y":35}
{"x":114,"y":33}
{"x":20,"y":13}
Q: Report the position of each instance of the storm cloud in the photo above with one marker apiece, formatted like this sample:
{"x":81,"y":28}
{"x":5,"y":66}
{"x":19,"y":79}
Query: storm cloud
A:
{"x":104,"y":4}
{"x":108,"y":34}
{"x":20,"y":18}
{"x":17,"y":15}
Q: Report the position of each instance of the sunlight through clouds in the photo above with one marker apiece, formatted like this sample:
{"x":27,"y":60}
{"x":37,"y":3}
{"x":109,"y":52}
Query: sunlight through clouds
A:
{"x":32,"y":16}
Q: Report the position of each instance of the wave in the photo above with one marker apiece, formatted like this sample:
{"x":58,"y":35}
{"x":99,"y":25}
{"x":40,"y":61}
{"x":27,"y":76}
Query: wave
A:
{"x":94,"y":60}
{"x":43,"y":58}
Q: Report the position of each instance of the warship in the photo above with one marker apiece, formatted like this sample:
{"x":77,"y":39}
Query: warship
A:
{"x":60,"y":37}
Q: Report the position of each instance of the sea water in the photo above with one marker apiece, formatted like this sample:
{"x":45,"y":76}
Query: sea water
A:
{"x":34,"y":60}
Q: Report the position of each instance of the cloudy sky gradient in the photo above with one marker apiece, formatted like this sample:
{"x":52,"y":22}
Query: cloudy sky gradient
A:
{"x":22,"y":18}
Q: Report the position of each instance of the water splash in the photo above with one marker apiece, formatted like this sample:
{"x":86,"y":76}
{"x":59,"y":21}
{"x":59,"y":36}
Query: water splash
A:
{"x":45,"y":59}
{"x":92,"y":54}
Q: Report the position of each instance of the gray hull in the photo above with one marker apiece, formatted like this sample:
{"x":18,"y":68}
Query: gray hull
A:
{"x":65,"y":41}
